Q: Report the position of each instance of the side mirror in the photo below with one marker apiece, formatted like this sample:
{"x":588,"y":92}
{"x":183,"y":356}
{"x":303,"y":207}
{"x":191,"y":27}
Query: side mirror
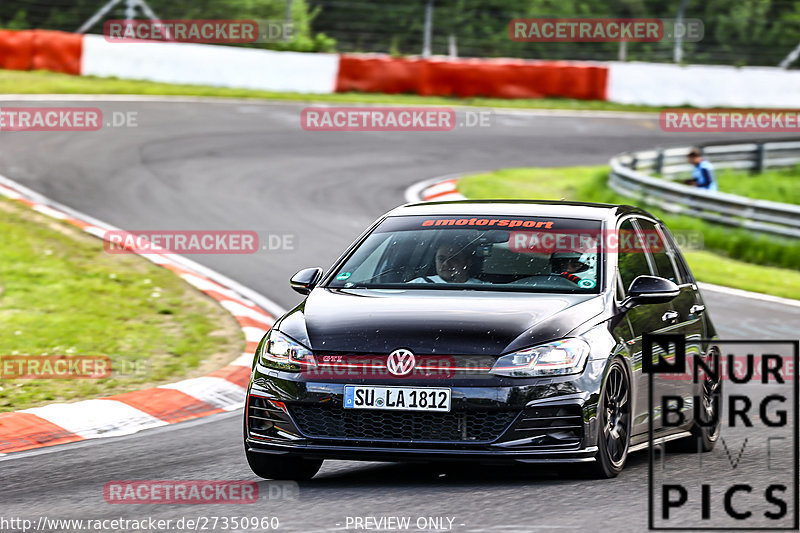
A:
{"x":305,"y":280}
{"x":650,"y":290}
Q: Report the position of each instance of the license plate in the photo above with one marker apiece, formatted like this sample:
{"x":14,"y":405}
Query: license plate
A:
{"x":396,"y":398}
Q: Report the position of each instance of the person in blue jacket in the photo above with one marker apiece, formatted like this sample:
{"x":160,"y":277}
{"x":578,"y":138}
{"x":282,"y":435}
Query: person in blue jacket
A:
{"x":702,"y":173}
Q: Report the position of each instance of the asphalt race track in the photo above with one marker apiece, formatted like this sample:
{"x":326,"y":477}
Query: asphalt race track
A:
{"x":235,"y":165}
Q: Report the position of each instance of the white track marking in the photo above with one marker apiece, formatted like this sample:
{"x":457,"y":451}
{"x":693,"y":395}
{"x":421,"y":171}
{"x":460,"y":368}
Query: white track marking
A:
{"x":211,"y":390}
{"x":237,"y":309}
{"x":92,"y":419}
{"x":246,"y":359}
{"x":49,"y":211}
{"x":747,"y":294}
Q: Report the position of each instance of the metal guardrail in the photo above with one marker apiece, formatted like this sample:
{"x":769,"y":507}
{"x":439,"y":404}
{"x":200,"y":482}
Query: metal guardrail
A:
{"x":630,"y":176}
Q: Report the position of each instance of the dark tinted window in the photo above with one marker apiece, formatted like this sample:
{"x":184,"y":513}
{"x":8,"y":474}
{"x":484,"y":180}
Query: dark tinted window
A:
{"x":675,"y":253}
{"x":658,"y":250}
{"x":632,"y":259}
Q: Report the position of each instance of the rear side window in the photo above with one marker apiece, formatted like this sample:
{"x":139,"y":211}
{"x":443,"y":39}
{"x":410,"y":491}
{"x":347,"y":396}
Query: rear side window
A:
{"x":675,"y":253}
{"x":658,"y":251}
{"x":632,"y":261}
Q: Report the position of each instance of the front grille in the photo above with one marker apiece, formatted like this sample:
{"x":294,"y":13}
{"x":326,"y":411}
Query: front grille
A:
{"x":556,"y":426}
{"x":336,"y":423}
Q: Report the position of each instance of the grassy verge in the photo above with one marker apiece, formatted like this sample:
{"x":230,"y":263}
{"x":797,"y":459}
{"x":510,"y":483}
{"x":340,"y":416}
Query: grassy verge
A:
{"x":709,"y":267}
{"x":778,"y":185}
{"x":61,"y":294}
{"x":731,"y":257}
{"x":41,"y":82}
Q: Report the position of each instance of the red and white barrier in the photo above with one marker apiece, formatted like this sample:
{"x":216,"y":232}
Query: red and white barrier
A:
{"x":660,"y":84}
{"x":226,"y":66}
{"x":248,"y":68}
{"x":41,"y":50}
{"x":204,"y":64}
{"x":464,"y":78}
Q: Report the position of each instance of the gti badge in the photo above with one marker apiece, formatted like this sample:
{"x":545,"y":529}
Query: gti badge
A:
{"x":400,"y":362}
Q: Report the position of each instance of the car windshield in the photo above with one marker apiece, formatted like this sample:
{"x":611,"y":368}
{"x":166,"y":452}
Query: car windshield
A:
{"x":534,"y":254}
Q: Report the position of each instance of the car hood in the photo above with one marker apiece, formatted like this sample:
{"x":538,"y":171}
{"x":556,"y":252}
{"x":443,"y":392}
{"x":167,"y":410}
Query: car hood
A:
{"x":434,"y":321}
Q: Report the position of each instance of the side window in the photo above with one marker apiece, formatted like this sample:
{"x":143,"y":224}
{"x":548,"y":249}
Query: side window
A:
{"x":677,"y":257}
{"x":632,"y":261}
{"x":658,"y":250}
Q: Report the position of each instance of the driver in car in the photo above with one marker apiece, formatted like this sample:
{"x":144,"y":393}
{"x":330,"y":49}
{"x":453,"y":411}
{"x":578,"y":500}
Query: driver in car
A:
{"x":454,"y":263}
{"x":567,"y":264}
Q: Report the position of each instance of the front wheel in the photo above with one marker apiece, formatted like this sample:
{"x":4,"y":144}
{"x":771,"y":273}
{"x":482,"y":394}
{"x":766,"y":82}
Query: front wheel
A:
{"x":281,"y":467}
{"x":614,"y":422}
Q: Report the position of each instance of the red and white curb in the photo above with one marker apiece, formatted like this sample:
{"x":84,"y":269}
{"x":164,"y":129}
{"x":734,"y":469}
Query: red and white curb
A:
{"x":439,"y":189}
{"x":446,"y":188}
{"x":123,"y":414}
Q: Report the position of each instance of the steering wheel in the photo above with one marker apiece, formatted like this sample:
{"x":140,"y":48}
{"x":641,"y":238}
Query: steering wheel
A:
{"x":572,"y":277}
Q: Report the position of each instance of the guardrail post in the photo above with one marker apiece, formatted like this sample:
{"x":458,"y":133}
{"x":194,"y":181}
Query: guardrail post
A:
{"x":761,"y":158}
{"x":660,"y":162}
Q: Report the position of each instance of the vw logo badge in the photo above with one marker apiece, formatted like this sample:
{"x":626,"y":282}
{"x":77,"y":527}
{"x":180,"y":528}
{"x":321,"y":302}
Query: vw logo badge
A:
{"x":400,"y":362}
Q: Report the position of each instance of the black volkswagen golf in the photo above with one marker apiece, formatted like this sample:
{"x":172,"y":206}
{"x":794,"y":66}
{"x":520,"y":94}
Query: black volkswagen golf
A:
{"x":489,"y":331}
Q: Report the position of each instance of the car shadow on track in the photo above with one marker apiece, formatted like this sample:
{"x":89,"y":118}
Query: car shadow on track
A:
{"x":348,"y":474}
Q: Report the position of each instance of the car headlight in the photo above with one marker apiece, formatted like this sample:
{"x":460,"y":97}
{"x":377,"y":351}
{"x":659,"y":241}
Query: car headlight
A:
{"x":284,"y":353}
{"x":558,"y":358}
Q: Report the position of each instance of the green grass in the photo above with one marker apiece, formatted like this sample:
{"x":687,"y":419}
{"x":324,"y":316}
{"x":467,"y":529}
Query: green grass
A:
{"x":778,"y":185}
{"x":62,"y":294}
{"x":711,"y":268}
{"x":732,"y":257}
{"x":42,"y":82}
{"x":530,"y":183}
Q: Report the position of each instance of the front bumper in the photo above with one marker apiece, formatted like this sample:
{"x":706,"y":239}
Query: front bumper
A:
{"x":492,"y":419}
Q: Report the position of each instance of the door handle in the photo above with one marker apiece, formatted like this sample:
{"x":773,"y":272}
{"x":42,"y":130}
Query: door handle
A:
{"x":669,"y":316}
{"x":697,"y":309}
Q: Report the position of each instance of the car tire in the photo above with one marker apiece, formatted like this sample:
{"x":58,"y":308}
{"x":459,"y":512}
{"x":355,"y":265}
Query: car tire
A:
{"x":613,"y":422}
{"x":281,"y":467}
{"x":704,"y":436}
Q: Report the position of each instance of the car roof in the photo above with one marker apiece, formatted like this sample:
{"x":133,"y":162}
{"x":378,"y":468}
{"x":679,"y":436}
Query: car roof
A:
{"x":580,"y":210}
